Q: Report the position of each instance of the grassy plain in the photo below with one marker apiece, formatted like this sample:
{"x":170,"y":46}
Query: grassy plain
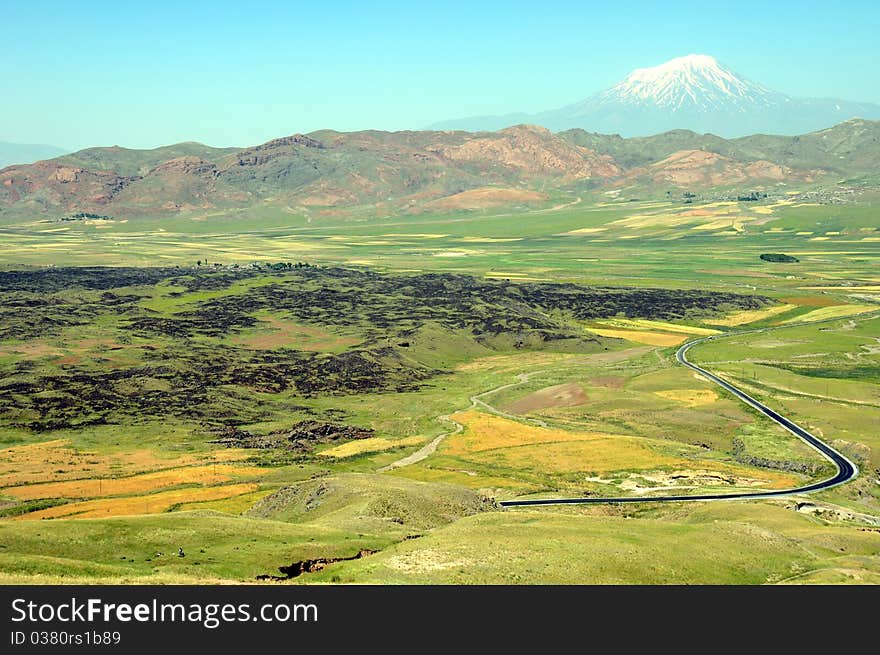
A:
{"x":139,"y":469}
{"x":824,"y":375}
{"x":537,"y":244}
{"x":736,"y":543}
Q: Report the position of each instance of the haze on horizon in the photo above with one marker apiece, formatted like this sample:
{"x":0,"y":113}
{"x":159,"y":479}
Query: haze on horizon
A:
{"x":227,"y":74}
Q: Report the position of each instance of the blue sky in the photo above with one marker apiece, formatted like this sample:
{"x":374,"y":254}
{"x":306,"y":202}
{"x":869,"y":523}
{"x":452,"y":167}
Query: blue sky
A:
{"x":76,"y":74}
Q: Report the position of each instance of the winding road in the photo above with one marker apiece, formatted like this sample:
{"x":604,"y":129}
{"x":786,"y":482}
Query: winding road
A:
{"x":846,"y":470}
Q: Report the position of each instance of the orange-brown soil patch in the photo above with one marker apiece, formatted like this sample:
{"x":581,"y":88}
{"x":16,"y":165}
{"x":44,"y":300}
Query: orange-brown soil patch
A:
{"x":569,"y":394}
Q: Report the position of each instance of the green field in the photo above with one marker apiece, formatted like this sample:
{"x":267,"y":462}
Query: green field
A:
{"x":735,"y":543}
{"x":588,"y":242}
{"x":202,"y":395}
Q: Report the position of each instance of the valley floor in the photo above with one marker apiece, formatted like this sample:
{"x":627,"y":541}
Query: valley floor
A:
{"x":315,"y":423}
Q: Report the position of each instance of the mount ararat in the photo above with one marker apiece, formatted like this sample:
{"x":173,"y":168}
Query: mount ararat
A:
{"x":694,"y":92}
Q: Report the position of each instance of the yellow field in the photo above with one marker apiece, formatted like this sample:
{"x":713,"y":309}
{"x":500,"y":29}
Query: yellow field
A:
{"x":660,"y":325}
{"x":370,"y":445}
{"x":488,"y":239}
{"x":718,"y":225}
{"x":585,"y":230}
{"x":456,"y":253}
{"x":517,"y":445}
{"x":56,"y":460}
{"x":504,"y":443}
{"x":516,"y":363}
{"x":835,"y":311}
{"x":512,"y":362}
{"x":825,"y":252}
{"x":655,"y":220}
{"x":488,"y":432}
{"x":595,"y":454}
{"x":102,"y":487}
{"x":750,"y":316}
{"x":233,"y":505}
{"x":714,"y":216}
{"x":426,"y":235}
{"x":149,"y":504}
{"x":639,"y":336}
{"x":690,"y":397}
{"x":863,"y":288}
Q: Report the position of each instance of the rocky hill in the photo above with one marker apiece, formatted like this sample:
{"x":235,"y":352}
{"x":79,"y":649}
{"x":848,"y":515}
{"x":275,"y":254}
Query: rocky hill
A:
{"x":423,"y":170}
{"x":849,"y":148}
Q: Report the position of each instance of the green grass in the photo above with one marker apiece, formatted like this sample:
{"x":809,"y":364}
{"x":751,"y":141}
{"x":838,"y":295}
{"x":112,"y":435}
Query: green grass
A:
{"x":666,"y":256}
{"x":840,"y":404}
{"x":826,"y":369}
{"x":369,"y":503}
{"x":217,"y":547}
{"x":824,"y":376}
{"x":737,"y":543}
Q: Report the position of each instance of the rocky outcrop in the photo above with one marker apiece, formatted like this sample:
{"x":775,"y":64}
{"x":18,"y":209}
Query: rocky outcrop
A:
{"x":297,"y":569}
{"x":302,"y":437}
{"x":185,"y":166}
{"x":51,"y":184}
{"x":740,"y":455}
{"x":533,"y":151}
{"x":703,"y":168}
{"x":266,"y":152}
{"x":293,"y":140}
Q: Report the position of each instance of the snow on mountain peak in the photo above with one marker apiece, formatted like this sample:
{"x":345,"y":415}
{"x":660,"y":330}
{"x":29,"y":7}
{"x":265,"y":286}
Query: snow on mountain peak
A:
{"x":693,"y":82}
{"x":688,"y":61}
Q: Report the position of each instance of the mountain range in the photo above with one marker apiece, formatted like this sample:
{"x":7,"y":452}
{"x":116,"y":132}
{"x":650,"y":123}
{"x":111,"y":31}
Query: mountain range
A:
{"x":695,"y":92}
{"x":417,"y":171}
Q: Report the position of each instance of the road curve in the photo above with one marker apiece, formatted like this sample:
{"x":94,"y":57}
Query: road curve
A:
{"x":846,"y":470}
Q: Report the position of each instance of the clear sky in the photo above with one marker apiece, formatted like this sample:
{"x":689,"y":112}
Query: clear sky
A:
{"x":144,"y":74}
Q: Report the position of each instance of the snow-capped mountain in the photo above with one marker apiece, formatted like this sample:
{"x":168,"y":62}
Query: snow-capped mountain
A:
{"x":694,"y":92}
{"x":694,"y":82}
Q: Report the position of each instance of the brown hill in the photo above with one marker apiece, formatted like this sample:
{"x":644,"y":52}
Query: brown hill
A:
{"x":533,"y":151}
{"x":322,"y":169}
{"x":706,"y":169}
{"x":416,"y":170}
{"x":46,"y":185}
{"x":485,"y":198}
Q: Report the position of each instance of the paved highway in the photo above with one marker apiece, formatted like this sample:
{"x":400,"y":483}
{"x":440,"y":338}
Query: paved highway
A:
{"x":846,"y":470}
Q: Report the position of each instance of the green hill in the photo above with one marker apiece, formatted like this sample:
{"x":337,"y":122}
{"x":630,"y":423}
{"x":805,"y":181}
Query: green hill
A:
{"x":131,"y":163}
